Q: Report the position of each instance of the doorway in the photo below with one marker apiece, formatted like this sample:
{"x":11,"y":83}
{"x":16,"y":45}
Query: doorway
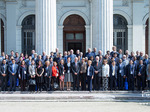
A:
{"x":74,"y":33}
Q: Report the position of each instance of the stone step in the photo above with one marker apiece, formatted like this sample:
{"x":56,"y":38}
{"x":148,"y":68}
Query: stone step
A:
{"x":75,"y":96}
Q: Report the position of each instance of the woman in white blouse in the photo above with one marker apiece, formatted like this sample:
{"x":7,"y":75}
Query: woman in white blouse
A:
{"x":105,"y":74}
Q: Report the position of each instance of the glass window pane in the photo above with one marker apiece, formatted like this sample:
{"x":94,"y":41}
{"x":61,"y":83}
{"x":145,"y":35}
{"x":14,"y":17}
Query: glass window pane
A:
{"x":79,"y":36}
{"x":69,"y":36}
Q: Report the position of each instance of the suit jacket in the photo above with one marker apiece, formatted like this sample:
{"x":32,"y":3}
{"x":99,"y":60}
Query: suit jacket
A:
{"x":22,"y":72}
{"x":32,"y":70}
{"x":55,"y":71}
{"x":91,"y":71}
{"x":98,"y":68}
{"x":10,"y":69}
{"x":75,"y":69}
{"x":142,"y":70}
{"x":111,"y":71}
{"x":47,"y":72}
{"x":67,"y":68}
{"x":88,"y":55}
{"x":61,"y":69}
{"x":121,"y":69}
{"x":128,"y":70}
{"x":72,"y":57}
{"x":2,"y":70}
{"x":83,"y":67}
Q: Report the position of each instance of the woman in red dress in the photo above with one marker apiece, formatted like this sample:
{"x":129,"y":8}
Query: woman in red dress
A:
{"x":55,"y":74}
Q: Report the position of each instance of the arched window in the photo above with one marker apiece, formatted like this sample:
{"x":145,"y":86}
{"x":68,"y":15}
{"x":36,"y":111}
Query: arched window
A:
{"x":120,"y":32}
{"x":28,"y":34}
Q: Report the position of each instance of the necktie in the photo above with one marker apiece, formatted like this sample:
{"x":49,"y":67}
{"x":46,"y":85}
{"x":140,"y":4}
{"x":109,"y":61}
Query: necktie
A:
{"x":97,"y":64}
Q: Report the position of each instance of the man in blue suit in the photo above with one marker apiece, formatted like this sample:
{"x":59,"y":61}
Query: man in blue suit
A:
{"x":113,"y":75}
{"x":89,"y":54}
{"x":13,"y":68}
{"x":130,"y":74}
{"x":72,"y":56}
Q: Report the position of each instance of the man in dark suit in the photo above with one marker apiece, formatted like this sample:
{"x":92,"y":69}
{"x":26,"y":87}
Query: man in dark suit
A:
{"x":113,"y":75}
{"x":130,"y":74}
{"x":141,"y":75}
{"x":13,"y":68}
{"x":4,"y":75}
{"x":113,"y":51}
{"x":97,"y":73}
{"x":75,"y":69}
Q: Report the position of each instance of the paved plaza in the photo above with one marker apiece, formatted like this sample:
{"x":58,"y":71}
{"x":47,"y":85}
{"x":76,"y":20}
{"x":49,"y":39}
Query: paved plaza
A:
{"x":74,"y":107}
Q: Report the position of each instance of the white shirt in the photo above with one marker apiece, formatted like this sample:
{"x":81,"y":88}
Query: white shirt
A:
{"x":88,"y":73}
{"x":105,"y":70}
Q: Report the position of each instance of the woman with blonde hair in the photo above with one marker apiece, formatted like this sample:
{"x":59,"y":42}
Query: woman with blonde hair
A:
{"x":47,"y":76}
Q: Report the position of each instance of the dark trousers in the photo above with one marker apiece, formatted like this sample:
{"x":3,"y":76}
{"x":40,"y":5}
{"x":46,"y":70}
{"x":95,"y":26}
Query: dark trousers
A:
{"x":89,"y":80}
{"x":149,"y":84}
{"x":4,"y":83}
{"x":47,"y":83}
{"x":141,"y":82}
{"x":12,"y":83}
{"x":131,"y":82}
{"x":97,"y":82}
{"x":76,"y":82}
{"x":113,"y":82}
{"x":31,"y":87}
{"x":39,"y":86}
{"x":83,"y":81}
{"x":23,"y":84}
{"x":120,"y":82}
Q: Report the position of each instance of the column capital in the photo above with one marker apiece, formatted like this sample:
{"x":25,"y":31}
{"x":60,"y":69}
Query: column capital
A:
{"x":87,"y":26}
{"x":60,"y":27}
{"x":130,"y":26}
{"x":19,"y":27}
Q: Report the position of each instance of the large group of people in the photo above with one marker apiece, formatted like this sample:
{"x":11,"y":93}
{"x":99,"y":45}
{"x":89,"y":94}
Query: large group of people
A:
{"x":75,"y":71}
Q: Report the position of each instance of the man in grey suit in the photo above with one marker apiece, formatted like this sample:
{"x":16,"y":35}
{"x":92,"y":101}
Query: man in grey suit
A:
{"x":97,"y":73}
{"x":13,"y":68}
{"x":4,"y":75}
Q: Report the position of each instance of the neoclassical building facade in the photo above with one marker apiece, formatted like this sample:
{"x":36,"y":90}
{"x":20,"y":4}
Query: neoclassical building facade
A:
{"x":44,"y":25}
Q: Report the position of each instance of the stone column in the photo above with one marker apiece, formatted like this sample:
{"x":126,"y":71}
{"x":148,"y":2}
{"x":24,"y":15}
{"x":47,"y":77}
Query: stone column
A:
{"x":45,"y":26}
{"x":18,"y":39}
{"x":11,"y":15}
{"x":130,"y":39}
{"x":88,"y":39}
{"x":103,"y":24}
{"x":60,"y":38}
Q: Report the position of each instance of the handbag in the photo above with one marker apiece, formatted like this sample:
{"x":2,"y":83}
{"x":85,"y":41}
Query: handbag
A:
{"x":32,"y":82}
{"x":126,"y":84}
{"x":55,"y":85}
